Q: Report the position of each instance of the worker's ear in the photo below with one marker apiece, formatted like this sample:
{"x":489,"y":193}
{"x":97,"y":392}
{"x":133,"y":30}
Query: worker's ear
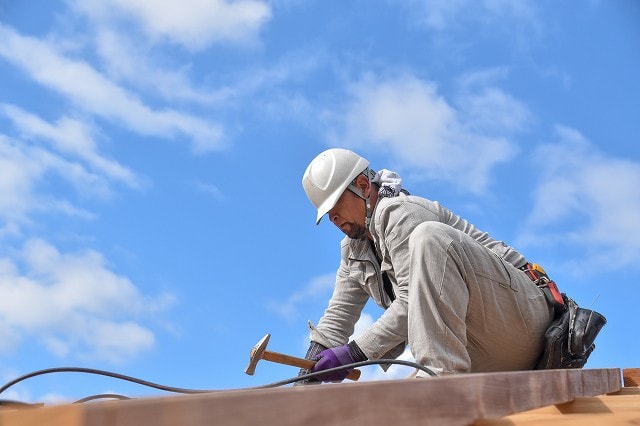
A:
{"x":362,"y":183}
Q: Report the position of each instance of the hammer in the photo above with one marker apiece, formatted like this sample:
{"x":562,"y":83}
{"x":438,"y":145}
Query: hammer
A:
{"x":260,"y":351}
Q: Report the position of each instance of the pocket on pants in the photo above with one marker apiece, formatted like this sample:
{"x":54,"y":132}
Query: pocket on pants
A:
{"x":536,"y":311}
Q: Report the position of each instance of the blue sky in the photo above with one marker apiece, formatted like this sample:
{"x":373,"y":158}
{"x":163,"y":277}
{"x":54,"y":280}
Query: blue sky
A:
{"x":152,"y":220}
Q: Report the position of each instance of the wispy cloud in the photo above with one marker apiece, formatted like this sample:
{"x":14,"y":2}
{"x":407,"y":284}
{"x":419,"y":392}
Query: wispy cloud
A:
{"x":193,"y":24}
{"x":408,"y":119}
{"x":24,"y":168}
{"x":210,"y":189}
{"x":16,"y":180}
{"x":73,"y":304}
{"x":587,"y":200}
{"x":318,"y":286}
{"x":70,"y":137}
{"x":128,"y":59}
{"x":129,"y":37}
{"x":65,"y":149}
{"x":91,"y":90}
{"x":445,"y":15}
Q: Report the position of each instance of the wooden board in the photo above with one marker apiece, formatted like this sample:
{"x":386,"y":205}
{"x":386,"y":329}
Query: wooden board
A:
{"x":620,"y":408}
{"x":631,"y":377}
{"x":460,"y":399}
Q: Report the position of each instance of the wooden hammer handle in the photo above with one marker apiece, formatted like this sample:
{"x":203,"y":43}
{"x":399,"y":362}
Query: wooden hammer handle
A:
{"x":300,"y":362}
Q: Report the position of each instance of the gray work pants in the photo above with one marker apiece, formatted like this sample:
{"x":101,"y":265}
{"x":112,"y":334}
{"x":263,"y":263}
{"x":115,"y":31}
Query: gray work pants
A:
{"x":468,"y":310}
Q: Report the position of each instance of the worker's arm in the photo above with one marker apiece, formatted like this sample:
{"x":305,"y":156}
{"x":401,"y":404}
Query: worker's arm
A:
{"x":393,"y":223}
{"x":345,"y":305}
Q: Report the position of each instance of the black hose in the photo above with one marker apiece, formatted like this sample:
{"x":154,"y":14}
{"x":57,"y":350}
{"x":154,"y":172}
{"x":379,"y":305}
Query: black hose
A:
{"x":184,"y":390}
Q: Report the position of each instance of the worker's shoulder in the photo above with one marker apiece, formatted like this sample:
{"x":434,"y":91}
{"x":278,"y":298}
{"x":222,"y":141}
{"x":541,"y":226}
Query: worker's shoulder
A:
{"x":409,"y":201}
{"x":408,"y":209}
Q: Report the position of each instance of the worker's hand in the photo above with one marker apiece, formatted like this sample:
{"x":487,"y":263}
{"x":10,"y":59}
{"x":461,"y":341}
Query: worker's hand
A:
{"x":336,"y":357}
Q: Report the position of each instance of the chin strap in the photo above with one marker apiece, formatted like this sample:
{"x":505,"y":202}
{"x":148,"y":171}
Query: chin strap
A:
{"x":390,"y":185}
{"x":367,"y":200}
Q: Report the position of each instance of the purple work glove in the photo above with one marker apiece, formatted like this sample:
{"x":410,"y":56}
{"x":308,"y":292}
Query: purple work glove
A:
{"x":336,"y":357}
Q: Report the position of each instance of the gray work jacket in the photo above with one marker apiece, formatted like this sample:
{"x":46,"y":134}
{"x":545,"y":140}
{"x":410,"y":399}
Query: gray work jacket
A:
{"x":359,"y":276}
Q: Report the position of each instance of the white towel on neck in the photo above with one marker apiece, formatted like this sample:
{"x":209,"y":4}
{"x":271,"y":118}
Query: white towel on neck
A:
{"x":390,"y":183}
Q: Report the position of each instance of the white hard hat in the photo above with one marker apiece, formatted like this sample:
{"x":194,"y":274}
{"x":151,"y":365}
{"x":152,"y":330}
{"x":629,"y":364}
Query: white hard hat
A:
{"x":328,"y":175}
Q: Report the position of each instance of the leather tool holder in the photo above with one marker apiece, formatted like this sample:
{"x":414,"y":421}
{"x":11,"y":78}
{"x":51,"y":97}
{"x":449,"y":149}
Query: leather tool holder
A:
{"x":570,"y":338}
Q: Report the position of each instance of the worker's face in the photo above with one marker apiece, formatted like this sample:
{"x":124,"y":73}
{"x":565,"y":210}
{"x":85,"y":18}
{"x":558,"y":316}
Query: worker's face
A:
{"x":349,"y":215}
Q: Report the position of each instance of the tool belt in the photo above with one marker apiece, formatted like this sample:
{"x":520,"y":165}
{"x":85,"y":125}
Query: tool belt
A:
{"x":548,"y":287}
{"x":569,"y":339}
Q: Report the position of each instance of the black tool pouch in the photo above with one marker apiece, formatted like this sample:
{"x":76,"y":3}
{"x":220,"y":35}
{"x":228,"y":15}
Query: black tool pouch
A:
{"x":569,"y":340}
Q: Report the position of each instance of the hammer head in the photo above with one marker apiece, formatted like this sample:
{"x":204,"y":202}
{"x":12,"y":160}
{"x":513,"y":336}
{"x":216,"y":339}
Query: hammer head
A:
{"x":256,"y":354}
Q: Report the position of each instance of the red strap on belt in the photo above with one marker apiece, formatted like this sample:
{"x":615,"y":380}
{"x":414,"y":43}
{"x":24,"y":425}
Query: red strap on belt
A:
{"x":541,"y":279}
{"x":557,"y":297}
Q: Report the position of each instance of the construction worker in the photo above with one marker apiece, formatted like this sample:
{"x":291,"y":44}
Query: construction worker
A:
{"x":463,"y":301}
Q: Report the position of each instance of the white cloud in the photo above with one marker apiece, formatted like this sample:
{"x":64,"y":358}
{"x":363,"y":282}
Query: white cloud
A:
{"x":194,"y":24}
{"x":129,"y":37}
{"x":86,"y":87}
{"x":486,"y":109}
{"x":118,"y":341}
{"x":70,"y":136}
{"x":73,"y":303}
{"x":587,"y":200}
{"x":23,"y":181}
{"x":128,"y":59}
{"x":24,"y":169}
{"x":16,"y":180}
{"x":408,"y":119}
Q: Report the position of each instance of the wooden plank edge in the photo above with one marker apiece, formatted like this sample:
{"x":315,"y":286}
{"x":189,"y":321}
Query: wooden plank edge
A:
{"x":459,"y":399}
{"x":618,"y":408}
